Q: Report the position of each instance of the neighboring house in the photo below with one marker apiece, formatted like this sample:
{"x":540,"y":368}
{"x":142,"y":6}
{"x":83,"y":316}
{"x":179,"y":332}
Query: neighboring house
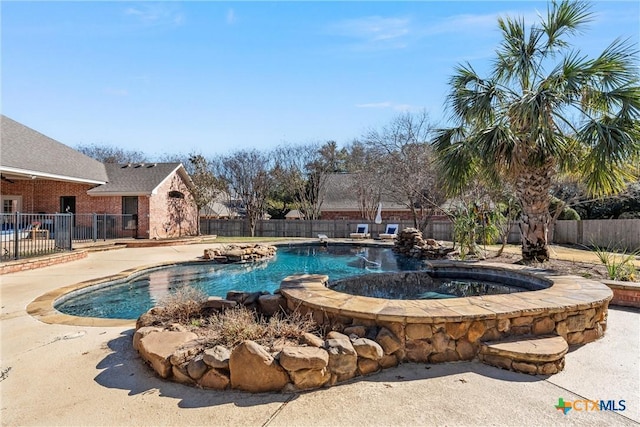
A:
{"x":341,"y":201}
{"x":42,"y":175}
{"x":293,"y":214}
{"x":222,"y":207}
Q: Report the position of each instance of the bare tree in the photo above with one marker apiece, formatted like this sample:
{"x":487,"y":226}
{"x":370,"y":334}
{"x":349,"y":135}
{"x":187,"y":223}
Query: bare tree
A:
{"x":367,"y":169}
{"x":206,"y":186}
{"x":409,"y":167}
{"x":109,"y":154}
{"x":246,"y":174}
{"x":303,"y":171}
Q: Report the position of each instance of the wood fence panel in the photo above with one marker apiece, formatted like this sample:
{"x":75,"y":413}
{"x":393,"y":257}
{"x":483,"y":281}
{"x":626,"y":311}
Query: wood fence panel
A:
{"x":618,"y":233}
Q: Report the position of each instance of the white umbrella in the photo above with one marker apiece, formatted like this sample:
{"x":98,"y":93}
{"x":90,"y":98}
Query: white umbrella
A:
{"x":379,"y":214}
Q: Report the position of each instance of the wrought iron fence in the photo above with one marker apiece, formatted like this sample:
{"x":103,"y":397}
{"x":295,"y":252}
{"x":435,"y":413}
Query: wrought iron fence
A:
{"x":26,"y":235}
{"x":93,"y":227}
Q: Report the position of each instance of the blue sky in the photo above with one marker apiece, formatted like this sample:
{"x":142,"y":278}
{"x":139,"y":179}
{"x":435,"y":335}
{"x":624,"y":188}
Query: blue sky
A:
{"x":215,"y":77}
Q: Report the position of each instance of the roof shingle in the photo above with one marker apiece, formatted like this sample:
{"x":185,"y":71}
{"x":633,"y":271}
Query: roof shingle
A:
{"x":24,"y":150}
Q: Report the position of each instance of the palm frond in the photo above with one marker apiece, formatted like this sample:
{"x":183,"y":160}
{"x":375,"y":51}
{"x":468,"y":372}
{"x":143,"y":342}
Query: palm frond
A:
{"x":471,"y":97}
{"x":456,"y":158}
{"x":564,"y":18}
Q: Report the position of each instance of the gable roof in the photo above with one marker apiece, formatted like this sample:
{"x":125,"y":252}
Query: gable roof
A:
{"x":339,"y":195}
{"x":137,"y":179}
{"x":28,"y":153}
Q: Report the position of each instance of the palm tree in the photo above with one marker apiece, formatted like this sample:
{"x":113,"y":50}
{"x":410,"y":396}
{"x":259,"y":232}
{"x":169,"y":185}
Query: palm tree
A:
{"x":544,"y":110}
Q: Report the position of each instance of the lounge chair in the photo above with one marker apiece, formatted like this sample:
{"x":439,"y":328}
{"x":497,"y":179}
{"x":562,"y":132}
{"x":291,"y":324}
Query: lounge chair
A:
{"x":362,"y":232}
{"x":391,"y":232}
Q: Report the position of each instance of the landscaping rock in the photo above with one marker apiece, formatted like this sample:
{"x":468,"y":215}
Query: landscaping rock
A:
{"x":367,"y":366}
{"x":303,"y":358}
{"x":186,"y":352}
{"x":214,"y":379}
{"x":218,"y":304}
{"x":388,"y":341}
{"x":217,"y":357}
{"x":343,"y":359}
{"x":196,"y":368}
{"x":310,"y":378}
{"x":272,"y":304}
{"x":418,"y":351}
{"x":254,"y":369}
{"x":368,"y":349}
{"x":359,"y":331}
{"x":141,"y":333}
{"x":156,"y":348}
{"x":312,"y":340}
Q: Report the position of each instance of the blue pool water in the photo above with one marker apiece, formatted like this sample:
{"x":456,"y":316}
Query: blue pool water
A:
{"x":129,"y":299}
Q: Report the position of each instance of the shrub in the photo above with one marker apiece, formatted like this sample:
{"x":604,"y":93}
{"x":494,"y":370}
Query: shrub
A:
{"x":232,"y":326}
{"x":619,"y":266}
{"x":181,"y":306}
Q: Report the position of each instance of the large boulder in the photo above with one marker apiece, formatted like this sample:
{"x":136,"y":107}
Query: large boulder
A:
{"x":299,"y":358}
{"x":254,"y":369}
{"x":310,"y":378}
{"x":343,"y":359}
{"x":157,"y":348}
{"x":368,"y":349}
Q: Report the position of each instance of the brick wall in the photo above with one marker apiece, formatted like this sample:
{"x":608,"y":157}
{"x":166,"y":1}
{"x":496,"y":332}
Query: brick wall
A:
{"x":172,"y":217}
{"x":39,"y":262}
{"x":159,"y":216}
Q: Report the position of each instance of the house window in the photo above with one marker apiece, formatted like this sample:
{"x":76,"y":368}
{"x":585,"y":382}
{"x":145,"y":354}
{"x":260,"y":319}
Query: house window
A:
{"x":130,"y":213}
{"x":176,"y":195}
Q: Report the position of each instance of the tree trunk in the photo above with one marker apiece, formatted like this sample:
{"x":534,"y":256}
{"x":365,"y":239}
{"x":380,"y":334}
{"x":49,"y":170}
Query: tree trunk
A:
{"x":532,"y":190}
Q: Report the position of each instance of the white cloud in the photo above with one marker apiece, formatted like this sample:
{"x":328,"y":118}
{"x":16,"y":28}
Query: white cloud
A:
{"x":373,"y":31}
{"x":231,"y":17}
{"x":156,"y":14}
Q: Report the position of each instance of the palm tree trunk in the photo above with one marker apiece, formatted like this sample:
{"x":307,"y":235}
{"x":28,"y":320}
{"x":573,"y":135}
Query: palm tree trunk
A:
{"x":532,"y":190}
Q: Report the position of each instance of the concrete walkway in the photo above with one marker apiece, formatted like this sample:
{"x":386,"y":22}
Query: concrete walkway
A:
{"x":70,"y":375}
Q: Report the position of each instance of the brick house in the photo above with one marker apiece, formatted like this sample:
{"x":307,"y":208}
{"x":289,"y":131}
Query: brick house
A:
{"x":42,"y":175}
{"x":340,"y":202}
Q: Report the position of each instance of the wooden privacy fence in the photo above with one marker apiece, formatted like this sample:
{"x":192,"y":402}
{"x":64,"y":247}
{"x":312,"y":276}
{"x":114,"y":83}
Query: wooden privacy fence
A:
{"x":618,"y":233}
{"x":609,"y":233}
{"x":440,"y":229}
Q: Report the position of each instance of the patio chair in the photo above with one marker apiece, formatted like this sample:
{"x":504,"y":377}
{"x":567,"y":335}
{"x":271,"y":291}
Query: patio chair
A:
{"x":362,"y":232}
{"x":391,"y":232}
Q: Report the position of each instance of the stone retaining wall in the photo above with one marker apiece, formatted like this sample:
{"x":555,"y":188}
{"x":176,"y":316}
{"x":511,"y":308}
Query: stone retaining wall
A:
{"x":369,"y":334}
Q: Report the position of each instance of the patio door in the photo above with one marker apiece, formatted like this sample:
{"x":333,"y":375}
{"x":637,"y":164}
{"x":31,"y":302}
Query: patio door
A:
{"x":10,"y":205}
{"x":68,"y":204}
{"x":130,"y":214}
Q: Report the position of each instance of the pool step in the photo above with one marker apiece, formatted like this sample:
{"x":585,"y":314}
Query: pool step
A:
{"x":534,"y":356}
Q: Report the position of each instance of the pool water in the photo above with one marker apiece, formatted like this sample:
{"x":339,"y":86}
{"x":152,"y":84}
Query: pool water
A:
{"x":129,"y":299}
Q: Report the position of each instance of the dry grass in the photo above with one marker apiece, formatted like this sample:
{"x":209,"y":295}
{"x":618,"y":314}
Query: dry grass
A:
{"x":231,"y":327}
{"x":181,"y":306}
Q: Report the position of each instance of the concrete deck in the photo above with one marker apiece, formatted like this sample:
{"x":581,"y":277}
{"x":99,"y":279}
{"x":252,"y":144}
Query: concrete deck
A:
{"x":54,"y":374}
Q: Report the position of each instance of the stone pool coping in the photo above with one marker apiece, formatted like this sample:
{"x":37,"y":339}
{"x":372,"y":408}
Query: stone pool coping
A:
{"x":565,"y":293}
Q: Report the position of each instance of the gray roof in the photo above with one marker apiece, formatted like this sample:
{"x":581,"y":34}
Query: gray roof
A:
{"x":26,"y":152}
{"x":136,"y":179}
{"x":340,"y":196}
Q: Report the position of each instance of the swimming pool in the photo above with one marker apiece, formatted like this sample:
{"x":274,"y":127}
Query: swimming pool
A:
{"x":130,"y":298}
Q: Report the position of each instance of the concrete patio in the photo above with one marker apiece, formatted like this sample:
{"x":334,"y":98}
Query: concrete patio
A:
{"x":71,"y":375}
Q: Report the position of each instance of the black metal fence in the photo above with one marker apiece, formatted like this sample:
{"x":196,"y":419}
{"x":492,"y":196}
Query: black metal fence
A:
{"x":26,"y":235}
